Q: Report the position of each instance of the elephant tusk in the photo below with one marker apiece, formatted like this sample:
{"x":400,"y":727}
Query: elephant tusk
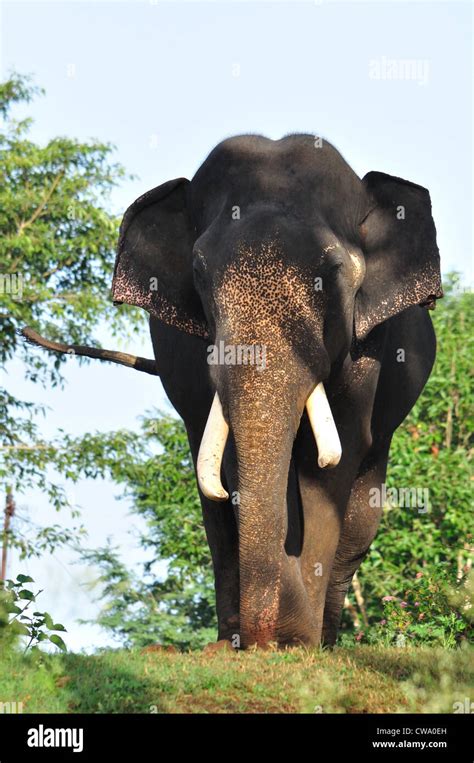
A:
{"x":210,"y":453}
{"x":324,"y":428}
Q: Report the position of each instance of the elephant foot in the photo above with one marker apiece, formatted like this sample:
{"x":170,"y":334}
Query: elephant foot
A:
{"x":229,"y":630}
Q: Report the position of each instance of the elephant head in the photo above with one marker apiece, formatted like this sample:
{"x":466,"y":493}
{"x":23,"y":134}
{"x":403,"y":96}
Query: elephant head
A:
{"x":276,"y":247}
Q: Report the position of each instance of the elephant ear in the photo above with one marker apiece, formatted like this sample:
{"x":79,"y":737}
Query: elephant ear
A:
{"x":401,"y":255}
{"x":153,"y":268}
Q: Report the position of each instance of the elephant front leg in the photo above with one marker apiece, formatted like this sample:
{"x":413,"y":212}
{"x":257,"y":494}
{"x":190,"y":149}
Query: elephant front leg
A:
{"x":323,"y":507}
{"x":359,"y":529}
{"x":220,"y":525}
{"x":324,"y":496}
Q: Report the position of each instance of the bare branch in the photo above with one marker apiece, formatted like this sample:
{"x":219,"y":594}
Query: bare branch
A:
{"x":122,"y":358}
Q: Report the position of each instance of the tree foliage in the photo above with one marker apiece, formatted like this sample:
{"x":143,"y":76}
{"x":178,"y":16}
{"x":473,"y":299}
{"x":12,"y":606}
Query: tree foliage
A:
{"x":57,"y":243}
{"x":432,"y":450}
{"x":176,"y":606}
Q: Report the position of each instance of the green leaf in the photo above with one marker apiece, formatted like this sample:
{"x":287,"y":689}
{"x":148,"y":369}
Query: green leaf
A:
{"x":24,"y":579}
{"x":20,"y":629}
{"x":25,"y":594}
{"x":57,"y":641}
{"x":48,"y":621}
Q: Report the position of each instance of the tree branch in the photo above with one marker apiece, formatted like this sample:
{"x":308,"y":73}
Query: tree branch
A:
{"x":40,"y":209}
{"x":122,"y":358}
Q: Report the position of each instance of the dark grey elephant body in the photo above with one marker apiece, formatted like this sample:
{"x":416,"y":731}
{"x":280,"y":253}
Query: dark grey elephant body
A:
{"x":279,"y":244}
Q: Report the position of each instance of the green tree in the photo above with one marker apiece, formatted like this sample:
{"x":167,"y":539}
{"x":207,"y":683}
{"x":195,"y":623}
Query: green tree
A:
{"x":57,"y":242}
{"x":422,"y":547}
{"x":176,"y":606}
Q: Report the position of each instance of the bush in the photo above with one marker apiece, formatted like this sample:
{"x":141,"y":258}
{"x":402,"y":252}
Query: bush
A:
{"x":17,"y":622}
{"x":426,"y":554}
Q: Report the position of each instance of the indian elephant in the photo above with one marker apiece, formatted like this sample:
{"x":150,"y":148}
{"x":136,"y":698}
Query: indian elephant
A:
{"x":288,"y":313}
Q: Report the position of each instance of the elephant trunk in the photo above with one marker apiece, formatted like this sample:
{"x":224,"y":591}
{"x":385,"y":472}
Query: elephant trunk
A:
{"x":263,"y":447}
{"x":264,"y":415}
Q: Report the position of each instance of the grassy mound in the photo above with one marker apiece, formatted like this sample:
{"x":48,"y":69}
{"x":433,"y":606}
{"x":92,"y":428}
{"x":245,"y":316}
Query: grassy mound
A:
{"x":361,"y":680}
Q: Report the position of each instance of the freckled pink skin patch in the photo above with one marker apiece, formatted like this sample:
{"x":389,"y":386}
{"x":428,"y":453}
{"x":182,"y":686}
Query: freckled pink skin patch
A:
{"x":127,"y":290}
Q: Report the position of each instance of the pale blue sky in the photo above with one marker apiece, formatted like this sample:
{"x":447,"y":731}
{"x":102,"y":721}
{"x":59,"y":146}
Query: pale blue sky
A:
{"x":166,"y":81}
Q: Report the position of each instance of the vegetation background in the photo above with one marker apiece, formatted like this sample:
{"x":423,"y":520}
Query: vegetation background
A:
{"x":57,"y":244}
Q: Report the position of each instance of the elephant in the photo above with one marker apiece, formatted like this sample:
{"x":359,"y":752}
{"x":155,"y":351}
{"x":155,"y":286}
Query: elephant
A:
{"x":288,"y":302}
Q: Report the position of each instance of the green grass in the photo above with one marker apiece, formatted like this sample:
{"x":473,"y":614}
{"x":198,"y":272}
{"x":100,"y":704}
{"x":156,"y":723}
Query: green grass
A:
{"x":360,"y":680}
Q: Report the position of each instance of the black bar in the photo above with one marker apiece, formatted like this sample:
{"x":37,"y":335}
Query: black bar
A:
{"x":156,"y":736}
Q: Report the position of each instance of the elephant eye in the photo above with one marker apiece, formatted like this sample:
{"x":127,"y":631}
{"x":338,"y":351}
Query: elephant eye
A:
{"x":335,"y":265}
